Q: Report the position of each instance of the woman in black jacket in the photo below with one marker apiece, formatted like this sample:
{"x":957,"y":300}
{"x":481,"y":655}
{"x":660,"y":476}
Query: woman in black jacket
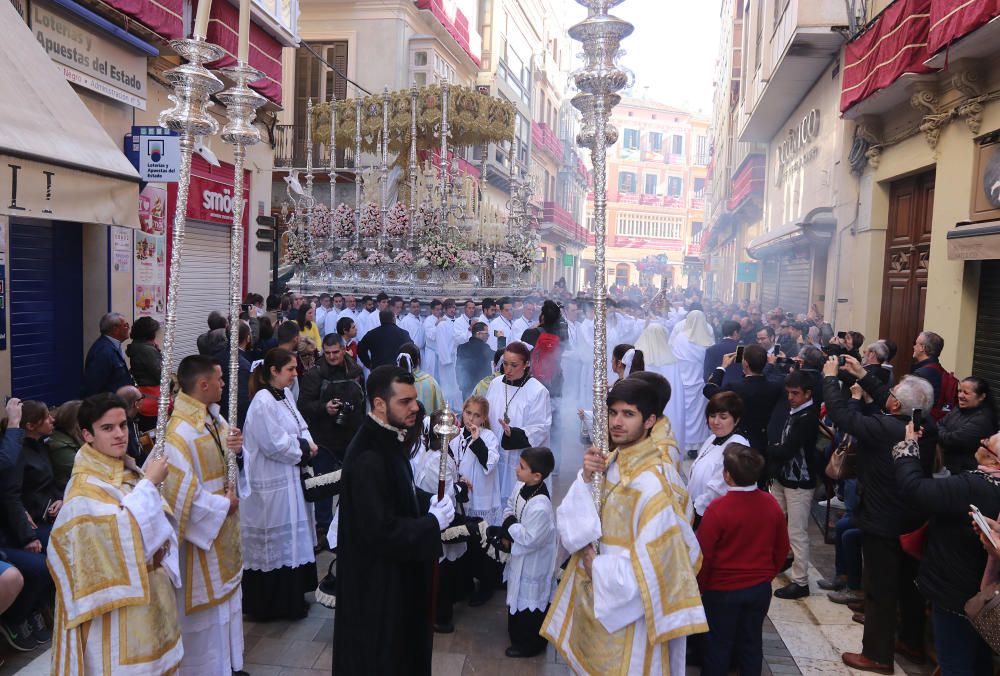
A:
{"x":145,"y":361}
{"x":954,"y":560}
{"x":959,"y":432}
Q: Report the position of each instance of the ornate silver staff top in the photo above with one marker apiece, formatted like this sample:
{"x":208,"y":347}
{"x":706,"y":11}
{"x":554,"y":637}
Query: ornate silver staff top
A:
{"x":444,"y":424}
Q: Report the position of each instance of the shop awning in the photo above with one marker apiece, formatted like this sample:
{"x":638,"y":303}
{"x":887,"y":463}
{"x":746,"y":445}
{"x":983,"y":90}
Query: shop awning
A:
{"x":65,"y":166}
{"x":974,"y":241}
{"x":816,"y":228}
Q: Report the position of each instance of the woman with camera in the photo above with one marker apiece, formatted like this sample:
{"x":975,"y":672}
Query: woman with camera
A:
{"x":954,"y":560}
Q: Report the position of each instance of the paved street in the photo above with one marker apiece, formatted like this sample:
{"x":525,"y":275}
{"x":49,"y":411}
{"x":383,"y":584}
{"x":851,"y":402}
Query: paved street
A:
{"x":800,"y":637}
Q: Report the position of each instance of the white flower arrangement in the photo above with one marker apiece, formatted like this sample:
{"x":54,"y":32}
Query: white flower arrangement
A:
{"x":299,"y":249}
{"x":502,"y":259}
{"x":397,"y":221}
{"x":371,"y":220}
{"x":320,"y":221}
{"x":343,"y":221}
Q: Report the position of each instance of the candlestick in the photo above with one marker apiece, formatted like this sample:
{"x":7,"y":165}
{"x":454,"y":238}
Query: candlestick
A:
{"x":243,"y":55}
{"x":201,"y":20}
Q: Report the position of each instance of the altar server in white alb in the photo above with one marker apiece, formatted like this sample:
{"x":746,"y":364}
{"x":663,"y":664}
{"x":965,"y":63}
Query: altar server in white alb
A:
{"x":628,"y":608}
{"x":529,"y":528}
{"x":521,"y":410}
{"x":113,"y":558}
{"x":447,"y":350}
{"x":429,"y":354}
{"x":477,"y":451}
{"x":210,"y":604}
{"x":278,"y":529}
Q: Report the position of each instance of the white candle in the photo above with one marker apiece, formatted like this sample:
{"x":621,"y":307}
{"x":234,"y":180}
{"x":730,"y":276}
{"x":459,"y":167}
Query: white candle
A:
{"x":244,"y":51}
{"x":201,"y":19}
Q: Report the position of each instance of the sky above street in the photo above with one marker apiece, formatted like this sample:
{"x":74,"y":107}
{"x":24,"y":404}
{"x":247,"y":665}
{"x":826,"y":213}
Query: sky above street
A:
{"x":673,"y":49}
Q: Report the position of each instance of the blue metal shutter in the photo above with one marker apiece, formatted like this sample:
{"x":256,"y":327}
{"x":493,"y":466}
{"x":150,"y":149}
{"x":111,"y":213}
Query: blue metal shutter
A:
{"x":46,"y":313}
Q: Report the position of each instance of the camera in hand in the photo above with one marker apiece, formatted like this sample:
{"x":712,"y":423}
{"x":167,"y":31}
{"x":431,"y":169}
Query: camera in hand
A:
{"x":841,"y":360}
{"x":345,"y":408}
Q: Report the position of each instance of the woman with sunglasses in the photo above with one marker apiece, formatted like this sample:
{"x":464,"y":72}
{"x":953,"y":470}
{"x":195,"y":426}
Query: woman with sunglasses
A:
{"x":954,"y":560}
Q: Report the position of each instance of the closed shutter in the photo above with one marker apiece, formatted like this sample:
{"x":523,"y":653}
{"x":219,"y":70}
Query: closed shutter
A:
{"x":793,"y":284}
{"x":769,"y":285}
{"x":204,"y":283}
{"x":46,"y":311}
{"x":986,"y":352}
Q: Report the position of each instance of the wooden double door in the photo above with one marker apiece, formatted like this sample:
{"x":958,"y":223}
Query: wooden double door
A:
{"x":907,"y":254}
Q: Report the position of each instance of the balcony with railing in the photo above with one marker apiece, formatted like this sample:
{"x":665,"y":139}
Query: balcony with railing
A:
{"x":563,"y":222}
{"x":546,"y":140}
{"x":799,"y":46}
{"x":698,"y":201}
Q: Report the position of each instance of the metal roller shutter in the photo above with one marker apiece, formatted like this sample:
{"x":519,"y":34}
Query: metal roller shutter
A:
{"x":769,"y":285}
{"x":986,"y":353}
{"x":204,"y":283}
{"x":793,"y":284}
{"x":46,"y":311}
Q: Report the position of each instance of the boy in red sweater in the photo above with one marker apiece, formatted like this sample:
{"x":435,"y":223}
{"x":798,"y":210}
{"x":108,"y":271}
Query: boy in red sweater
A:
{"x":744,"y":544}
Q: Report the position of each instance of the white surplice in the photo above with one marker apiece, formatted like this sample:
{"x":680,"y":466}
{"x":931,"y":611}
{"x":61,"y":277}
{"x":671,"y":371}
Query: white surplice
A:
{"x":277,"y":526}
{"x":429,"y":355}
{"x":528,"y":407}
{"x":705,"y":480}
{"x":502,"y":325}
{"x":413,"y":326}
{"x":530,"y":570}
{"x":484,"y":500}
{"x":447,"y":349}
{"x":691,"y":381}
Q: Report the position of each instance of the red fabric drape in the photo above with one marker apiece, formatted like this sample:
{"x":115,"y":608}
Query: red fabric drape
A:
{"x":165,"y":17}
{"x":894,"y":45}
{"x":265,"y":51}
{"x":953,"y":19}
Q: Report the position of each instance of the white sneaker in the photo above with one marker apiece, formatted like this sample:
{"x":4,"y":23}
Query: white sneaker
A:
{"x":834,"y":503}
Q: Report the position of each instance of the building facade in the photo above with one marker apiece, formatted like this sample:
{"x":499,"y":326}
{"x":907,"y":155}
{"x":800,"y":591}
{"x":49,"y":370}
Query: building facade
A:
{"x":656,"y":193}
{"x":91,"y":179}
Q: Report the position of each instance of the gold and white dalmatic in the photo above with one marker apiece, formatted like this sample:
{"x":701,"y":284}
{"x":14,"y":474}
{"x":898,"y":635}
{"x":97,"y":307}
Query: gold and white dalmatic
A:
{"x":210,"y":604}
{"x":633,"y":616}
{"x":115,"y":612}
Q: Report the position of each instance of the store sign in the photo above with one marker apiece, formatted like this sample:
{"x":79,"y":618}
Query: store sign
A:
{"x":798,"y":148}
{"x":88,"y":59}
{"x":212,"y":201}
{"x":155,"y":152}
{"x":746,"y":272}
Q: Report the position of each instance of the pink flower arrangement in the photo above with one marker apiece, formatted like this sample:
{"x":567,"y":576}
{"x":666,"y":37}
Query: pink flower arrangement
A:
{"x":343,"y":221}
{"x":470,"y":258}
{"x":404,"y":258}
{"x":350,"y":257}
{"x":324,"y":257}
{"x":439,"y":252}
{"x":371,"y":220}
{"x":428,"y":218}
{"x":320,"y":221}
{"x":377,"y":258}
{"x":503,"y":260}
{"x":397,"y":221}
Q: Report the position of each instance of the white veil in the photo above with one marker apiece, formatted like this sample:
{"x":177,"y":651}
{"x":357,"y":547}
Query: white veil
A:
{"x":697,"y":329}
{"x":655,"y":345}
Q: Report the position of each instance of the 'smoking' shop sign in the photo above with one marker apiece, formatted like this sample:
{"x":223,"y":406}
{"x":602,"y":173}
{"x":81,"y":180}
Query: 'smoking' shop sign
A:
{"x":89,"y":59}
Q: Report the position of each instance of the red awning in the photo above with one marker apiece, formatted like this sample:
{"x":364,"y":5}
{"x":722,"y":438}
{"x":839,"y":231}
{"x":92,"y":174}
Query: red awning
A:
{"x":895,"y":43}
{"x":265,"y":51}
{"x":747,"y":181}
{"x":953,"y":19}
{"x":164,"y":17}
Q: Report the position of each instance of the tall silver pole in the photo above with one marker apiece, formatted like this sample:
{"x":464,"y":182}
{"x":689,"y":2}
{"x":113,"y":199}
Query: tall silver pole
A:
{"x":193,"y":87}
{"x":443,"y":160}
{"x":333,"y":152}
{"x":357,"y":172}
{"x":413,"y":162}
{"x":241,"y":108}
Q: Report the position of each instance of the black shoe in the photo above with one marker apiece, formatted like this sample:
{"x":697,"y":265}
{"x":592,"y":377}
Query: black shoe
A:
{"x":514,"y":651}
{"x":39,"y":631}
{"x":480,"y":598}
{"x":792,"y":591}
{"x":444,"y":628}
{"x":19,"y":637}
{"x":241,"y":673}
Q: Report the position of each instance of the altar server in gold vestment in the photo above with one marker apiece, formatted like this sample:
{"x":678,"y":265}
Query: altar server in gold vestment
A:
{"x":113,"y":557}
{"x":629,"y":608}
{"x":210,"y":603}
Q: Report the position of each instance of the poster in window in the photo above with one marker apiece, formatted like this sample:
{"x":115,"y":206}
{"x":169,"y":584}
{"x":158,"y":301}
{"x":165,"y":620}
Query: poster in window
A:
{"x":150,"y":253}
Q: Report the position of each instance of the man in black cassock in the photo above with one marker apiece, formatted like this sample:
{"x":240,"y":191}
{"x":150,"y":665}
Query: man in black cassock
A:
{"x":388,"y":538}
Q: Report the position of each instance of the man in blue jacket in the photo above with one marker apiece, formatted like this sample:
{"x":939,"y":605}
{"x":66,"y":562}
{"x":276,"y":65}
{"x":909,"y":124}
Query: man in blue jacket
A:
{"x":105,"y":369}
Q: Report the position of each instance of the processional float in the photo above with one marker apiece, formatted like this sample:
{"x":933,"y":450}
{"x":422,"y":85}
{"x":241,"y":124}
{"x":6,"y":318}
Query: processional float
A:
{"x":418,"y":224}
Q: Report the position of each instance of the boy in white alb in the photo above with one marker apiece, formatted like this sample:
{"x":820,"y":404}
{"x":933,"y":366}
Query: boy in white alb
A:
{"x":529,"y":530}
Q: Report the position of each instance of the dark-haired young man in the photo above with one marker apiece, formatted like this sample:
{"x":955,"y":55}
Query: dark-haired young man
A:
{"x":604,"y":612}
{"x":210,"y":605}
{"x":727,"y":345}
{"x":759,"y":394}
{"x":114,"y":557}
{"x":796,"y":467}
{"x":388,"y":538}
